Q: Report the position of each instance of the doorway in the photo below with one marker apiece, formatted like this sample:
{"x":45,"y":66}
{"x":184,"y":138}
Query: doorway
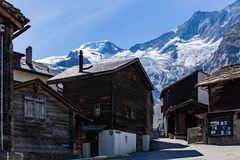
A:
{"x":92,"y":138}
{"x":190,"y":120}
{"x":171,"y":124}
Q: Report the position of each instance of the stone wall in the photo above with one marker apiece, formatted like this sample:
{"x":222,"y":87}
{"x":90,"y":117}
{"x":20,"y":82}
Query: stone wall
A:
{"x":194,"y":135}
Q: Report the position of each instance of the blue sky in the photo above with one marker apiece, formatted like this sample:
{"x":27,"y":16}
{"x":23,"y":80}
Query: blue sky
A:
{"x":59,"y":26}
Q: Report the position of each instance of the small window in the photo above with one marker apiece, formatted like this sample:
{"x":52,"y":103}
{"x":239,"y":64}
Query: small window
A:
{"x":238,"y":115}
{"x":97,"y":111}
{"x":134,"y":76}
{"x":129,"y":75}
{"x":128,"y":108}
{"x":34,"y":107}
{"x":131,"y":112}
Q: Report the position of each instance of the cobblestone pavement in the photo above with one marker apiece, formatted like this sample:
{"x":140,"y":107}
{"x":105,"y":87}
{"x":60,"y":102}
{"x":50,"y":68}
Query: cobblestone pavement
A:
{"x":170,"y":149}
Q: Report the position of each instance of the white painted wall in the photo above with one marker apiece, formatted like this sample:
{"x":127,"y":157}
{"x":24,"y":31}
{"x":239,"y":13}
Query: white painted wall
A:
{"x":22,"y":76}
{"x":124,"y":142}
{"x":105,"y":143}
{"x":116,"y":143}
{"x":202,"y":93}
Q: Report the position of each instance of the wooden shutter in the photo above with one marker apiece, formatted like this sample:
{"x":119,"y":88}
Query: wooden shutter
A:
{"x":40,"y":107}
{"x":34,"y":107}
{"x":29,"y":106}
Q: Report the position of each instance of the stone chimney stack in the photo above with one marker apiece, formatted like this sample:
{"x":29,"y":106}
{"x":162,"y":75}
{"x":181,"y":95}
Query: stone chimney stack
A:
{"x":81,"y":61}
{"x":29,"y":55}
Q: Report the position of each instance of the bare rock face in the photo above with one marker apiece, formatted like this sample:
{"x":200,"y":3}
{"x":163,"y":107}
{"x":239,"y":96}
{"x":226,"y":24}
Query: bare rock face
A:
{"x":228,"y":51}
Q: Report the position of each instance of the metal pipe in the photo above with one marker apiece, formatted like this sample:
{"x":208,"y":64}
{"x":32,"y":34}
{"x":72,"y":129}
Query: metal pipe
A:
{"x":2,"y":92}
{"x":2,"y":30}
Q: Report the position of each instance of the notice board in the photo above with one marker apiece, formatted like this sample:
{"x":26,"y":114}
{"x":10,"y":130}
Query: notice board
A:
{"x":220,"y":126}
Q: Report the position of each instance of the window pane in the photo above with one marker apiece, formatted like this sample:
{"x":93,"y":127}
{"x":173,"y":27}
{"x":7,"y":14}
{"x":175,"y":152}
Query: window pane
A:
{"x":97,"y":110}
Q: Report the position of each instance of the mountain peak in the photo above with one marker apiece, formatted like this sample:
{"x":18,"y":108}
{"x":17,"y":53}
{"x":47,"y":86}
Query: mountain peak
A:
{"x":191,"y":46}
{"x":104,"y":46}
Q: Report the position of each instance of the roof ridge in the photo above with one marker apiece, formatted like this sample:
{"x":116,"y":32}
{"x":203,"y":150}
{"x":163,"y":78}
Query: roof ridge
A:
{"x":231,"y":65}
{"x":105,"y":62}
{"x":112,"y":61}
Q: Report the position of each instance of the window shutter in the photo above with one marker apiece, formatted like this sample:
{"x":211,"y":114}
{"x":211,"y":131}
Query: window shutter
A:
{"x":34,"y":107}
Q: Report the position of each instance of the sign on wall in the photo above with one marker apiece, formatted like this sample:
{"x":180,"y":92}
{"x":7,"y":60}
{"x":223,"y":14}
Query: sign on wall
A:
{"x":220,"y":126}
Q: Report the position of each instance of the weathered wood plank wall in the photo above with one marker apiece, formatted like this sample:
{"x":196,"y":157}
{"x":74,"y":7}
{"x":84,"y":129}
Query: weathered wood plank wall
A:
{"x":225,"y":96}
{"x":53,"y":135}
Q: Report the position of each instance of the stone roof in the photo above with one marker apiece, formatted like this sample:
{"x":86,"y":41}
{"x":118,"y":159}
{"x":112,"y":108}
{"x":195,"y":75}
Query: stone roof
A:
{"x":224,"y":74}
{"x":90,"y":69}
{"x":35,"y":68}
{"x":16,"y":13}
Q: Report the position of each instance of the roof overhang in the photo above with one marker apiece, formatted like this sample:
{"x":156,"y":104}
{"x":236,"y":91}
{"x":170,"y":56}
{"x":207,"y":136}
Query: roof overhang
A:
{"x":188,"y":106}
{"x":207,"y":83}
{"x":87,"y":75}
{"x":13,"y":14}
{"x":94,"y":128}
{"x":32,"y":72}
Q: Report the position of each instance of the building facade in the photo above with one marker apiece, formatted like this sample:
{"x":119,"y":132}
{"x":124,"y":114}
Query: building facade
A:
{"x":44,"y":124}
{"x":223,"y":117}
{"x":181,"y":102}
{"x":117,"y":96}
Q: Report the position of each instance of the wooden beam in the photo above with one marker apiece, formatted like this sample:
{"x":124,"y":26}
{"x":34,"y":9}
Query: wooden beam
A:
{"x":21,"y":31}
{"x":13,"y":19}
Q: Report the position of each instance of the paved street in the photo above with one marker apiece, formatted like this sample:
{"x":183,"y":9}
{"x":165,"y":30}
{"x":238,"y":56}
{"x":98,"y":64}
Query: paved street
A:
{"x":167,"y":149}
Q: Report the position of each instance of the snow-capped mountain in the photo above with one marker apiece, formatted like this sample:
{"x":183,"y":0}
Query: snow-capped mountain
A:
{"x":94,"y":52}
{"x":193,"y":45}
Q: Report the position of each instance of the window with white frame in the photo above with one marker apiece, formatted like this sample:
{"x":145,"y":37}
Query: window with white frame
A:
{"x":97,"y":111}
{"x":34,"y":107}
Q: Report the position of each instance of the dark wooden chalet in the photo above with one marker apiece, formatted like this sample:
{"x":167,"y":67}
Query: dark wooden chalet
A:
{"x":44,"y":124}
{"x":181,"y":101}
{"x":223,"y":118}
{"x":117,"y":96}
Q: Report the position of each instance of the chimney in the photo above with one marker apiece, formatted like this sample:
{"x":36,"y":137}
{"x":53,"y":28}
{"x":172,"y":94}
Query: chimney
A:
{"x":81,"y":61}
{"x":29,"y":55}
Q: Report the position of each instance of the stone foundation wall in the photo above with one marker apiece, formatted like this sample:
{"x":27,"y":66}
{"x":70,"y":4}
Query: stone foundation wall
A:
{"x":194,"y":135}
